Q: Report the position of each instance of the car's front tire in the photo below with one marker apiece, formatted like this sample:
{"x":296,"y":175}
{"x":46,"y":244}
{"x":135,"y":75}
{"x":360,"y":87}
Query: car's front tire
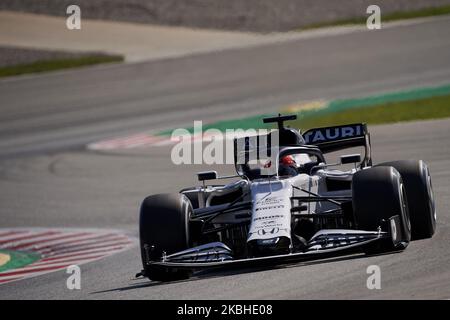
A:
{"x":164,"y":228}
{"x":379,"y":194}
{"x":419,"y":191}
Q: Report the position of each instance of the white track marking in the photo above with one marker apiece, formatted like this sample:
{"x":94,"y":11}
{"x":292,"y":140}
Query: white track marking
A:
{"x":10,"y":234}
{"x":56,"y":248}
{"x":77,"y":248}
{"x":47,"y":243}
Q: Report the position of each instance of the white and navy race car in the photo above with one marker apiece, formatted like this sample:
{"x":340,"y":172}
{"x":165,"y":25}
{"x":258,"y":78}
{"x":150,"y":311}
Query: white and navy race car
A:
{"x":290,"y":205}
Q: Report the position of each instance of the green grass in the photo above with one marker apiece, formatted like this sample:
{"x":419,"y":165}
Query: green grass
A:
{"x":389,"y":112}
{"x":19,"y":259}
{"x":400,"y":15}
{"x":418,"y":104}
{"x":57,"y":64}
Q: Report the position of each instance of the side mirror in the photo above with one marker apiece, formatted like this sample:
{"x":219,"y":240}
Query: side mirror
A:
{"x":207,"y":175}
{"x":351,"y":158}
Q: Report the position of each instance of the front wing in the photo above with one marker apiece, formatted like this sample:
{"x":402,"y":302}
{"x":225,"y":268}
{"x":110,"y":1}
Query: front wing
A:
{"x":326,"y":243}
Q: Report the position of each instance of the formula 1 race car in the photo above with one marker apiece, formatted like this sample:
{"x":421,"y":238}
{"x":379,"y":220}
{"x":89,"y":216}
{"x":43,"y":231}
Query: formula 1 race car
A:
{"x":289,"y":205}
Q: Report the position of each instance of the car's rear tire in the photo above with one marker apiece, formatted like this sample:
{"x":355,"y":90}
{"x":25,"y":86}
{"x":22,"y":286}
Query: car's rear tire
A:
{"x":379,"y":194}
{"x":419,"y":192}
{"x":164,"y":228}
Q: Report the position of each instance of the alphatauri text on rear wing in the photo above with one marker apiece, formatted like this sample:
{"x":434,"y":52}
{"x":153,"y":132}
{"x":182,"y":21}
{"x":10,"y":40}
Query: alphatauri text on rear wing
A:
{"x":329,"y":139}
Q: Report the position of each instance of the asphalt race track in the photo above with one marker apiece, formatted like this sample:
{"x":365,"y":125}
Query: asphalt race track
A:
{"x":47,"y":179}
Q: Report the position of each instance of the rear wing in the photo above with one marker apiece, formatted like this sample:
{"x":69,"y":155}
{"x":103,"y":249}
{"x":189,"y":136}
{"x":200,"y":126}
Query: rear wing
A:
{"x":329,"y":139}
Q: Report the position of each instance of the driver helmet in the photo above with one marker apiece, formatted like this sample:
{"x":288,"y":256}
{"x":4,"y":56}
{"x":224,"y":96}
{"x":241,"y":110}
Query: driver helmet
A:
{"x":288,"y":161}
{"x":288,"y":166}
